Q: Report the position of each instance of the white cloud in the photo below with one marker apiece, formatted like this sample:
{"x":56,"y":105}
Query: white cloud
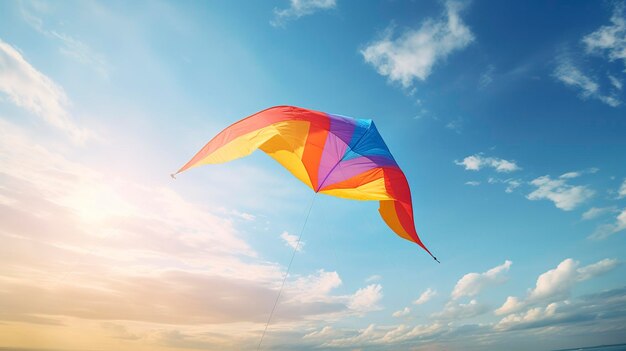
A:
{"x":615,"y":82}
{"x":487,"y":77}
{"x":300,"y":8}
{"x":366,"y":299}
{"x":472,"y":284}
{"x":596,"y":212}
{"x":567,"y":73}
{"x":323,"y":333}
{"x":557,"y":283}
{"x":70,"y":46}
{"x":111,"y":242}
{"x":472,"y":183}
{"x":621,"y":193}
{"x":512,"y":304}
{"x":384,"y":336}
{"x":511,"y":183}
{"x":611,"y":39}
{"x":531,"y":316}
{"x":565,"y":197}
{"x":373,"y":278}
{"x":425,"y":296}
{"x":402,"y":313}
{"x":455,"y":126}
{"x":402,"y":333}
{"x":456,"y":311}
{"x":572,"y":76}
{"x":606,"y":230}
{"x":33,"y":91}
{"x":292,"y":241}
{"x":366,"y":335}
{"x":314,"y":287}
{"x":413,"y":54}
{"x":478,"y":161}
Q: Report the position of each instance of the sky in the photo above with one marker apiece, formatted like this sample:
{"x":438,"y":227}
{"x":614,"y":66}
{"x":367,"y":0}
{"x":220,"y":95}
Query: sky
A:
{"x":507,"y":118}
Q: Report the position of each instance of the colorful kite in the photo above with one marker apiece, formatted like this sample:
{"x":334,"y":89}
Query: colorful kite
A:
{"x":332,"y":154}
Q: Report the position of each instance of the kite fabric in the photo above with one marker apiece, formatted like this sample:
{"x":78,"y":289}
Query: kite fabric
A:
{"x":333,"y":155}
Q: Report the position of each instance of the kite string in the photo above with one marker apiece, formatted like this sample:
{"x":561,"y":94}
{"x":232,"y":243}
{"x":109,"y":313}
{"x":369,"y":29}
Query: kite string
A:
{"x":293,"y":255}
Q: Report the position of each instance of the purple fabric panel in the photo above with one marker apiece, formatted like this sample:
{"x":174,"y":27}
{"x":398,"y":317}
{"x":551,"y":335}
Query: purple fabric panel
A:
{"x":341,"y":130}
{"x":350,"y":168}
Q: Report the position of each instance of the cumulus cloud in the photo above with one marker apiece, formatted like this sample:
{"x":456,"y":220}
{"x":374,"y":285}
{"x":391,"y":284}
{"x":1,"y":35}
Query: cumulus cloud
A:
{"x":412,"y":55}
{"x":33,"y":91}
{"x":567,"y":73}
{"x":610,"y":40}
{"x":606,"y":307}
{"x":366,"y":299}
{"x":292,"y":241}
{"x":425,"y":296}
{"x":384,"y":337}
{"x":557,"y":283}
{"x":565,"y":196}
{"x":122,"y":250}
{"x":533,"y":315}
{"x":300,"y":8}
{"x":478,"y":161}
{"x":472,"y":284}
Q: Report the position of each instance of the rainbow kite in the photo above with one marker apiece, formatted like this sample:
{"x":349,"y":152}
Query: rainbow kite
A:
{"x":332,"y":154}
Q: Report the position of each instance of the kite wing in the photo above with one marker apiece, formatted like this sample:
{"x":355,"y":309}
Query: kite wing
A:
{"x":331,"y":154}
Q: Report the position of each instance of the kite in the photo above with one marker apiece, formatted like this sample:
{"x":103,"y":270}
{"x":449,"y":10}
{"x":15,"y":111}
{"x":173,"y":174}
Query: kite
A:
{"x":331,"y":154}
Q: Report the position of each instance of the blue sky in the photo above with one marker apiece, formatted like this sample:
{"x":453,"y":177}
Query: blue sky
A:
{"x":506,"y":117}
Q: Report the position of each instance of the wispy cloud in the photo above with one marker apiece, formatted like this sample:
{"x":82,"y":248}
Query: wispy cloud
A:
{"x":455,"y":125}
{"x":615,"y":82}
{"x":621,"y":192}
{"x":373,"y":278}
{"x":425,"y":296}
{"x":300,"y":8}
{"x":472,"y":284}
{"x":412,"y":54}
{"x":292,"y":241}
{"x":401,"y":313}
{"x":33,"y":13}
{"x":33,"y":91}
{"x":606,"y":230}
{"x":610,"y":39}
{"x":487,"y":77}
{"x":567,"y":73}
{"x":565,"y":196}
{"x":596,"y":212}
{"x":478,"y":161}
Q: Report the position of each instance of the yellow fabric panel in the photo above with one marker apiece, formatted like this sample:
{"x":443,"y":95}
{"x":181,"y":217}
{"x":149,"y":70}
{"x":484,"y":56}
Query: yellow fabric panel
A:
{"x":374,"y":190}
{"x":287,"y":147}
{"x":387,"y":211}
{"x":240,"y":147}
